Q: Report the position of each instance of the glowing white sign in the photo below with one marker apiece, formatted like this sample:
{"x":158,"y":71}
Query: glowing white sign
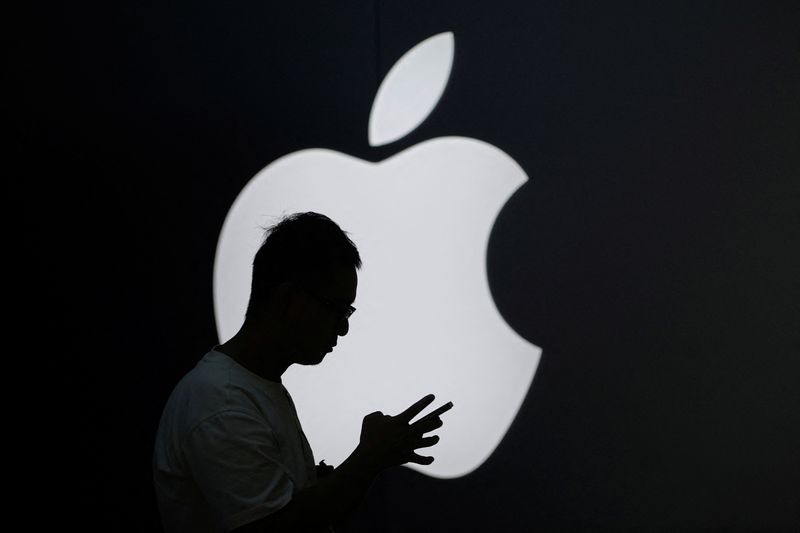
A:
{"x":426,"y":320}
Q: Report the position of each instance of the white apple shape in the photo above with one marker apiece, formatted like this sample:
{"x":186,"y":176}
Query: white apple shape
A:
{"x":426,"y":320}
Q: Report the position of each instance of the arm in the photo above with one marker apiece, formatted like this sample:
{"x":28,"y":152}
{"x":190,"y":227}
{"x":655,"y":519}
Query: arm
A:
{"x":385,"y":441}
{"x":328,"y":501}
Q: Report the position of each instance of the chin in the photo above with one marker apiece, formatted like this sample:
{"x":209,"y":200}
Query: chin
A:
{"x":313,"y":359}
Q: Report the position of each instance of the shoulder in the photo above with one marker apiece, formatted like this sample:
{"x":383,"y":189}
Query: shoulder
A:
{"x":204,"y":386}
{"x":207,"y":390}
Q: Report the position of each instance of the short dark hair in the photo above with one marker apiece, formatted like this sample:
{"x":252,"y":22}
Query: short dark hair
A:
{"x":302,"y":247}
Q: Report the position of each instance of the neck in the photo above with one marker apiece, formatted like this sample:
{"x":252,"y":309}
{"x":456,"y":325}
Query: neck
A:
{"x":259,"y":352}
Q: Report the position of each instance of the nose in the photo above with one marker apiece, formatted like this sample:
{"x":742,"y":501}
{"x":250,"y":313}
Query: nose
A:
{"x":343,"y":327}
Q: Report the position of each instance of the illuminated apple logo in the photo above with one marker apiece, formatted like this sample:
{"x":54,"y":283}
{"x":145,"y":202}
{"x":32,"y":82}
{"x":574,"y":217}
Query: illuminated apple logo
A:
{"x":426,"y":320}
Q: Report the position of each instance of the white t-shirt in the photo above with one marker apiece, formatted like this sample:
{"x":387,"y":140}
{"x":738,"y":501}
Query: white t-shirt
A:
{"x":229,"y":449}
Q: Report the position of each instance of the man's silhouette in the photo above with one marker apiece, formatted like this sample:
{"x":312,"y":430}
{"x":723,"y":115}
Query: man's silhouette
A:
{"x":230,"y":453}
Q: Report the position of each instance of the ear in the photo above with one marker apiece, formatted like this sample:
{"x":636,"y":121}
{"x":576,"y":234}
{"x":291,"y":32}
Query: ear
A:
{"x":287,"y":301}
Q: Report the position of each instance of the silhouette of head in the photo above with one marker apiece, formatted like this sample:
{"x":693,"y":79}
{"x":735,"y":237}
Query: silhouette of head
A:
{"x":306,"y":268}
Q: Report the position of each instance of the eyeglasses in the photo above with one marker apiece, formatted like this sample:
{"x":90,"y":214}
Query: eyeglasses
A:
{"x":344,"y":311}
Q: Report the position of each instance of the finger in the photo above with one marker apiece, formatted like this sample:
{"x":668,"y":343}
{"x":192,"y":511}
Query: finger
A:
{"x":425,"y":425}
{"x":438,"y":411}
{"x":420,"y":459}
{"x":426,"y":442}
{"x":416,"y":409}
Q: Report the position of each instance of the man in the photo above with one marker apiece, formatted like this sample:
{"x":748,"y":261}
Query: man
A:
{"x":230,"y":453}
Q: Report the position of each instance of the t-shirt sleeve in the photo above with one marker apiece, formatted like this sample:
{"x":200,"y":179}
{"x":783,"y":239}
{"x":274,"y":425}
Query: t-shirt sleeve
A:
{"x":236,"y":463}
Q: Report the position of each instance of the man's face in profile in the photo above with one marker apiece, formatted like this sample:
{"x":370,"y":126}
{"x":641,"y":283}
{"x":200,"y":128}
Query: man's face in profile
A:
{"x":318,"y":315}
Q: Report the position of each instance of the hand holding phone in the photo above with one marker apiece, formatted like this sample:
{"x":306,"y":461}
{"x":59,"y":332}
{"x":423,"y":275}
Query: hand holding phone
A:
{"x":392,"y":440}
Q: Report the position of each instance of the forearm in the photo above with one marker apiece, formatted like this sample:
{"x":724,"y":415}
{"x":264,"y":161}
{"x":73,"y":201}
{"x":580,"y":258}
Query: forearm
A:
{"x":330,"y":500}
{"x":385,"y":441}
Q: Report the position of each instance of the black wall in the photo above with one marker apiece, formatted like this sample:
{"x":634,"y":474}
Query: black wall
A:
{"x":654,"y":254}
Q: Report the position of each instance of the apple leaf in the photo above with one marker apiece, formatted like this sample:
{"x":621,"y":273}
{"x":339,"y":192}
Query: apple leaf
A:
{"x":411,"y":89}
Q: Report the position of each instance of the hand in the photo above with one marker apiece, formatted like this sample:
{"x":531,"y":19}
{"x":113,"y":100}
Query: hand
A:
{"x":324,"y":470}
{"x":391,"y":440}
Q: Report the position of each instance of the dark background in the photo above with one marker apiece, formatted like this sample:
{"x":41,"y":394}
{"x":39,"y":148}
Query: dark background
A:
{"x":654,"y":254}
